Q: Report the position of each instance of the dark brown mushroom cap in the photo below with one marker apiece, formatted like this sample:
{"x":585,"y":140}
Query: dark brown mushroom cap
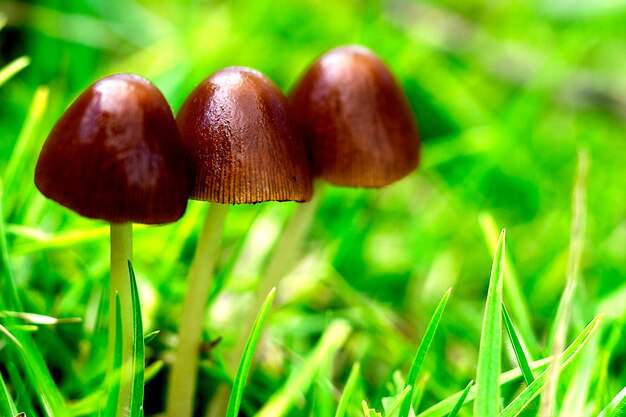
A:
{"x":240,"y":143}
{"x":116,"y":155}
{"x":356,"y":121}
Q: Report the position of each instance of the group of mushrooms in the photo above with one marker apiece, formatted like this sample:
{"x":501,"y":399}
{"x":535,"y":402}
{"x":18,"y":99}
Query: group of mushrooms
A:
{"x":119,"y":154}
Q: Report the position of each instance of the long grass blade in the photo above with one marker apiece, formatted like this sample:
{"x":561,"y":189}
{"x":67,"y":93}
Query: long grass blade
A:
{"x":461,"y":401}
{"x":577,"y":395}
{"x":526,"y":397}
{"x":522,"y":360}
{"x":512,"y":291}
{"x":561,"y":323}
{"x":246,"y":360}
{"x":23,"y":157}
{"x":489,"y":354}
{"x":137,"y":383}
{"x":39,"y":319}
{"x":9,"y":300}
{"x":617,"y":406}
{"x":346,"y":395}
{"x":112,"y":383}
{"x":34,"y":365}
{"x":7,"y":406}
{"x":422,"y":351}
{"x":301,"y":378}
{"x":322,"y":401}
{"x":443,"y":407}
{"x":23,"y":398}
{"x":43,"y":242}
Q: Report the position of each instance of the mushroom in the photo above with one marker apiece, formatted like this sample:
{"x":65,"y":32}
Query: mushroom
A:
{"x":357,"y":123}
{"x":116,"y":155}
{"x":241,"y":148}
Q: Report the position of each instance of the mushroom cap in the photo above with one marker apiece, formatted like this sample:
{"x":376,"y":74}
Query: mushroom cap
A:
{"x":240,"y":144}
{"x":356,"y":121}
{"x":115,"y":154}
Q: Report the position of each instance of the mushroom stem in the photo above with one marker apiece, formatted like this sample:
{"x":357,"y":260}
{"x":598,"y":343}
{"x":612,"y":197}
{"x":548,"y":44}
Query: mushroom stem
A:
{"x":182,"y":384}
{"x":281,"y":260}
{"x":121,"y":253}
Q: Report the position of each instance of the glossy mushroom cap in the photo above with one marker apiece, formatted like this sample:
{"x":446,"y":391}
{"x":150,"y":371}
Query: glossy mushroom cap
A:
{"x":357,"y":123}
{"x":240,"y":144}
{"x":116,"y":155}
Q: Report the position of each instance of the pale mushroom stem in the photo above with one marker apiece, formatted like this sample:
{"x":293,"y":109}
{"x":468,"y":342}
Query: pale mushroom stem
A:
{"x":182,"y":384}
{"x":121,"y":254}
{"x":281,"y":260}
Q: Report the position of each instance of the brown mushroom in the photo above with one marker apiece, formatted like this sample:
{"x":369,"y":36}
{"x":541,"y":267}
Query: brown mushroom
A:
{"x":115,"y":154}
{"x":241,"y":148}
{"x":356,"y":121}
{"x":239,"y":142}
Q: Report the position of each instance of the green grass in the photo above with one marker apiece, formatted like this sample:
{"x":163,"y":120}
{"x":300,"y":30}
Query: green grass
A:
{"x":411,"y":381}
{"x":489,"y":354}
{"x":506,"y":96}
{"x":246,"y":360}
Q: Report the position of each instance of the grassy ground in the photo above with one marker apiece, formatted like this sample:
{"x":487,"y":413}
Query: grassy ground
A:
{"x":509,"y":97}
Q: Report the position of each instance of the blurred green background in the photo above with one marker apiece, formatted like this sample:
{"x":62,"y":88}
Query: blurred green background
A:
{"x":506,"y":94}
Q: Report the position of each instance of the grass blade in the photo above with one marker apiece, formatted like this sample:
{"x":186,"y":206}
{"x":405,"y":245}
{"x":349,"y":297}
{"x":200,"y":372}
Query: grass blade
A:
{"x":112,"y":383}
{"x":13,"y":68}
{"x":24,"y":154}
{"x":39,"y":319}
{"x":459,"y":403}
{"x":561,"y":323}
{"x":346,"y":395}
{"x":246,"y":360}
{"x":36,"y":370}
{"x":301,"y":378}
{"x":7,"y":406}
{"x":422,"y":351}
{"x":150,"y":337}
{"x":9,"y":299}
{"x":369,"y":412}
{"x":522,"y":360}
{"x":137,"y":383}
{"x":534,"y":389}
{"x":23,"y":398}
{"x":446,"y":405}
{"x":512,"y":292}
{"x":407,"y":392}
{"x":580,"y":385}
{"x":489,"y":354}
{"x":617,"y":406}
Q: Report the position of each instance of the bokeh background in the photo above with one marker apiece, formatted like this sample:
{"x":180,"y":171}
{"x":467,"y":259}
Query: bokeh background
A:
{"x":506,"y":94}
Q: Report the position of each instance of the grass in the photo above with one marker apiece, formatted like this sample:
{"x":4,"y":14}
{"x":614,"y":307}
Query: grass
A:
{"x":489,"y":353}
{"x":506,"y":96}
{"x":246,"y":360}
